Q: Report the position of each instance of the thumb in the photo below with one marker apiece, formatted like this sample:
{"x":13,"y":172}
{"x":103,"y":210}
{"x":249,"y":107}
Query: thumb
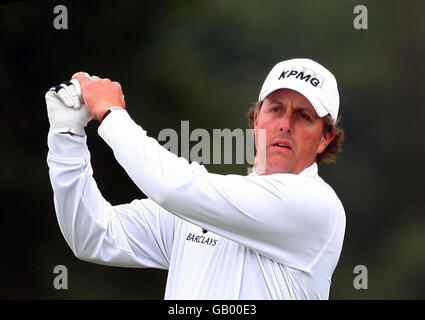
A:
{"x":82,"y":77}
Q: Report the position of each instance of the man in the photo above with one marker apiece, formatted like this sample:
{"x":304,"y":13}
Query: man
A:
{"x":274,"y":234}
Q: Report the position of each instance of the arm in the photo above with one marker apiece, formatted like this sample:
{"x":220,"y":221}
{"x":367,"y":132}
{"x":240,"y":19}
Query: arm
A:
{"x":286,"y":217}
{"x":266,"y":213}
{"x":138,"y":234}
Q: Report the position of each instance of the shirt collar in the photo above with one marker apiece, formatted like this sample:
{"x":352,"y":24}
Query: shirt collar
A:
{"x":311,"y":171}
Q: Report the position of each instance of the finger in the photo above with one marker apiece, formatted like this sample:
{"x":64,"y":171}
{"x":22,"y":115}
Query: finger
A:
{"x":77,"y":87}
{"x":65,"y":95}
{"x":73,"y":93}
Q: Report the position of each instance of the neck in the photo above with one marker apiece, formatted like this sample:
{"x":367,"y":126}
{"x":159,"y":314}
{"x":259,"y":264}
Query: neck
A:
{"x":262,"y":168}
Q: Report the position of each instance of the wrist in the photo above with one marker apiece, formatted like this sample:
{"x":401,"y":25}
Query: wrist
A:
{"x":108,"y":111}
{"x":99,"y":113}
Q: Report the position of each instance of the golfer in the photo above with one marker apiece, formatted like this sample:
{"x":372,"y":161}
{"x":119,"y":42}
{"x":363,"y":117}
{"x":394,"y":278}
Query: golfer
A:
{"x":274,"y":234}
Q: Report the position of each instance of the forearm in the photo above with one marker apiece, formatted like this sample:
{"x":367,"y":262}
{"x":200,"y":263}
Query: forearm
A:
{"x":160,"y":174}
{"x":85,"y":218}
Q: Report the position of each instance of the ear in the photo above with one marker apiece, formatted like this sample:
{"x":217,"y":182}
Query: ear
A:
{"x":255,"y":130}
{"x":255,"y":119}
{"x":325,"y":141}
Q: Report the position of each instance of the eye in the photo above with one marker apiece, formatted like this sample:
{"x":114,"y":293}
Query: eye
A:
{"x":303,"y":115}
{"x":275,"y":109}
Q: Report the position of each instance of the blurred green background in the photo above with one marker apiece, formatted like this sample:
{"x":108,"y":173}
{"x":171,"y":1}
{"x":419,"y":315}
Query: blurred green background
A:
{"x":205,"y":61}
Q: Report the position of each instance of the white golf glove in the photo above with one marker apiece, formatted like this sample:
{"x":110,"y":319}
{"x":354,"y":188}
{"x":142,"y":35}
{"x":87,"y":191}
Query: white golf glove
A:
{"x":66,"y":109}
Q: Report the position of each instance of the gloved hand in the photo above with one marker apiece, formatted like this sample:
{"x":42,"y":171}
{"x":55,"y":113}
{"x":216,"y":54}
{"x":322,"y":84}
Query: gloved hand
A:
{"x":66,"y":109}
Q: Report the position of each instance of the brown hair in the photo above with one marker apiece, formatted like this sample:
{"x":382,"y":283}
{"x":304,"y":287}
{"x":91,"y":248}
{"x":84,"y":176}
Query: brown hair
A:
{"x":329,"y":154}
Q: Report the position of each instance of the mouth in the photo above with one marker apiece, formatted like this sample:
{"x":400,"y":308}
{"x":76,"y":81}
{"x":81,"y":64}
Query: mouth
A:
{"x":284,"y":145}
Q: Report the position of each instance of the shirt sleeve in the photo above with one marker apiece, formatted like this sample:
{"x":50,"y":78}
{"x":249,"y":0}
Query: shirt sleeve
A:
{"x":286,"y":217}
{"x":137,"y":234}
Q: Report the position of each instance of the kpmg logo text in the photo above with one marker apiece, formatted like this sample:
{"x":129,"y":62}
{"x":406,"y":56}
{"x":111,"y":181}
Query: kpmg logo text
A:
{"x":303,"y":75}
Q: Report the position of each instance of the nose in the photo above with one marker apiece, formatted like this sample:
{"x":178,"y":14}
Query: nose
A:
{"x":286,"y":123}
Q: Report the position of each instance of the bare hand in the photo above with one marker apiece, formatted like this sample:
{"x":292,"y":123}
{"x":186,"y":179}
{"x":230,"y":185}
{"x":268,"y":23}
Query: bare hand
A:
{"x":100,"y":94}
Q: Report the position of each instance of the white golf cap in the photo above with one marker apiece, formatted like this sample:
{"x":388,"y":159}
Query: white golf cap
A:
{"x":310,"y":79}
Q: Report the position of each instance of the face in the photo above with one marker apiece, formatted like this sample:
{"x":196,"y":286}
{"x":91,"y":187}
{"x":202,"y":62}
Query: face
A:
{"x":293,"y":133}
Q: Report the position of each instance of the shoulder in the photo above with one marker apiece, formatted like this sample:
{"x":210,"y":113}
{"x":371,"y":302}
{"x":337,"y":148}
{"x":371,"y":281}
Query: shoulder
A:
{"x":309,"y":193}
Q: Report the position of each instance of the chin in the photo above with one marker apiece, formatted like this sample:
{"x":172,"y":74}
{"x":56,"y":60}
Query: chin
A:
{"x":279,"y":165}
{"x":275,"y":165}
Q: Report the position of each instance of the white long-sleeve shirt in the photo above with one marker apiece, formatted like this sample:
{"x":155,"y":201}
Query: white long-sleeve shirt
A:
{"x":273,"y":236}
